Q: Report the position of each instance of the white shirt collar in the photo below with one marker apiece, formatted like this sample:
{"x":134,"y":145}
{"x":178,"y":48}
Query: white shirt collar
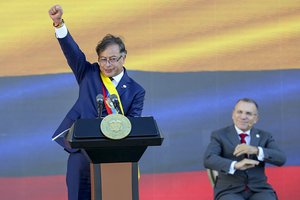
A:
{"x":117,"y":78}
{"x":239,"y":131}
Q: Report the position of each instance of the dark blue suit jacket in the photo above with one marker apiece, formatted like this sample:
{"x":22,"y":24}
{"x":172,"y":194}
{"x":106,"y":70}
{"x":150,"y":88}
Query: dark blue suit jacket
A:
{"x":90,"y":85}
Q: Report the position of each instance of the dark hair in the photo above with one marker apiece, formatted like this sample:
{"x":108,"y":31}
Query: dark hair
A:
{"x":108,"y":40}
{"x":248,"y":100}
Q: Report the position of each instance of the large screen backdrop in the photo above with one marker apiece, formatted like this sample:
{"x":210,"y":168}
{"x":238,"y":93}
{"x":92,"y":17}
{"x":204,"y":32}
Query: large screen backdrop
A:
{"x":194,"y":58}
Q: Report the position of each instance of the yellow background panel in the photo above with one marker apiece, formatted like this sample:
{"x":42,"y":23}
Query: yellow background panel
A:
{"x":166,"y":36}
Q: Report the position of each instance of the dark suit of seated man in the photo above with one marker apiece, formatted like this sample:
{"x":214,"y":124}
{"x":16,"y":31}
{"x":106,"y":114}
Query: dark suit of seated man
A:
{"x":241,"y":162}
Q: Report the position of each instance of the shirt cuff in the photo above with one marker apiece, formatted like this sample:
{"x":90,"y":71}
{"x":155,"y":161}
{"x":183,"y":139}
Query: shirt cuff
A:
{"x":231,"y":169}
{"x":61,"y":32}
{"x":261,"y":155}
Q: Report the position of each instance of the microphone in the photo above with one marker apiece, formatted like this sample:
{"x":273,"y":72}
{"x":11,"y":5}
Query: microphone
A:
{"x":99,"y":100}
{"x":114,"y":99}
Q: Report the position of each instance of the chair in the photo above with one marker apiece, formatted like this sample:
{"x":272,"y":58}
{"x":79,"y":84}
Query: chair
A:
{"x":212,"y":175}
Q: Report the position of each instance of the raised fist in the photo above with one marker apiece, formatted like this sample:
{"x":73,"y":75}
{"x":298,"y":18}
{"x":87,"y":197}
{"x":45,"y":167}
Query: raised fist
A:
{"x":56,"y":13}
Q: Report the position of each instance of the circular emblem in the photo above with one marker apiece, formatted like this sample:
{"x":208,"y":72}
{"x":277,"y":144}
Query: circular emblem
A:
{"x":115,"y":126}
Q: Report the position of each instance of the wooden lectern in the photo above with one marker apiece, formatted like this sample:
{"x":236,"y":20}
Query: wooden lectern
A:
{"x":114,"y":168}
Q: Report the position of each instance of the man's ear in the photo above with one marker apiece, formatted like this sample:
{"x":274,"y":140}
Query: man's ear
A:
{"x":257,"y":118}
{"x":124,"y":57}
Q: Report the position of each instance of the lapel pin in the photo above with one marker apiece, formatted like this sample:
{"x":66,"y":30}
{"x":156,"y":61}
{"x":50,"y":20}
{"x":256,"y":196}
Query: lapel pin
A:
{"x":124,"y":86}
{"x":257,"y":135}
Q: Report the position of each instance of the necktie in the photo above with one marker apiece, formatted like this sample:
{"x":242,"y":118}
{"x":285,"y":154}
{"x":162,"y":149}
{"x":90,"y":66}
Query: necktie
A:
{"x":243,"y":136}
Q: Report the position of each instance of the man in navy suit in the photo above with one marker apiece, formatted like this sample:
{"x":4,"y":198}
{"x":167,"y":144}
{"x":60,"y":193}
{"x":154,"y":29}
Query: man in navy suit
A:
{"x":241,"y":166}
{"x":111,"y":53}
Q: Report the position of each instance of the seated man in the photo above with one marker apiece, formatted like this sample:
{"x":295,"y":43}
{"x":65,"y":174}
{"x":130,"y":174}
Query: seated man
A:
{"x":239,"y":153}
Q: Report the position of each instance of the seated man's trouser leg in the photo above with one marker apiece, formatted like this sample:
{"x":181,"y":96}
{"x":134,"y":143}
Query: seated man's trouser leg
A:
{"x":248,"y":195}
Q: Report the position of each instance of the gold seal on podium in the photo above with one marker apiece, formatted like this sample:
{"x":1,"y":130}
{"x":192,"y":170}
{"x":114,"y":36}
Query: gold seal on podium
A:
{"x":115,"y":126}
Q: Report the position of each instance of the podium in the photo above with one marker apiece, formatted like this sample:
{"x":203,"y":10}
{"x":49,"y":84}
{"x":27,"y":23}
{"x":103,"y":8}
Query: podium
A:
{"x":114,"y":168}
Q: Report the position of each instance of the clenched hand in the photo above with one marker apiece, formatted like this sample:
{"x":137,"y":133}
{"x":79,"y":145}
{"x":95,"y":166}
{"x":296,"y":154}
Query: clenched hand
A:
{"x":55,"y":14}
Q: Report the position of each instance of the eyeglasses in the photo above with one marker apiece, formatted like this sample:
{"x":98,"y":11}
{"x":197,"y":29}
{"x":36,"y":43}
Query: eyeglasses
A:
{"x":111,"y":60}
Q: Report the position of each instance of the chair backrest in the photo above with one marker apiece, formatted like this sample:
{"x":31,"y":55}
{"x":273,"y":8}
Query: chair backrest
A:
{"x":212,"y":175}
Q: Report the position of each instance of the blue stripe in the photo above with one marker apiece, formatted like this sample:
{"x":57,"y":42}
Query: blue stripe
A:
{"x":187,"y":106}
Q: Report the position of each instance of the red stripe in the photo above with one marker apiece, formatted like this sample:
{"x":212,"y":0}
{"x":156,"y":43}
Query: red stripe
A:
{"x":108,"y":109}
{"x":171,"y":186}
{"x":33,"y":188}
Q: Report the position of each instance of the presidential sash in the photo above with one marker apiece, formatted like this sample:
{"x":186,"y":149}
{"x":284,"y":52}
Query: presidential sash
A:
{"x":111,"y":89}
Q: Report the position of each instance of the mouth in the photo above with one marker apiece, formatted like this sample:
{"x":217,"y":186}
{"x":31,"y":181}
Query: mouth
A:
{"x":243,"y":123}
{"x":108,"y":71}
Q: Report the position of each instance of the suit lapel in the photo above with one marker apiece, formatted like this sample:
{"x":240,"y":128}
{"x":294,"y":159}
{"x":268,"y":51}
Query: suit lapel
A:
{"x":255,"y":137}
{"x":123,"y":84}
{"x":232,"y":136}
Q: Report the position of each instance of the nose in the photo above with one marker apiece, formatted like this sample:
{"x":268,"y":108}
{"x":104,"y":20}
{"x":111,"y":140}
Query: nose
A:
{"x":243,"y":115}
{"x":107,"y":63}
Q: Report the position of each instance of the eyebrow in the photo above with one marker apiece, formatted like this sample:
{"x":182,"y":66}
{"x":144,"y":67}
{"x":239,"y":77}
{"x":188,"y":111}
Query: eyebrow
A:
{"x":108,"y":57}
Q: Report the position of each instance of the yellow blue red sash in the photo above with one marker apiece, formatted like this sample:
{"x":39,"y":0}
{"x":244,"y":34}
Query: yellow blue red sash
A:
{"x":111,"y":89}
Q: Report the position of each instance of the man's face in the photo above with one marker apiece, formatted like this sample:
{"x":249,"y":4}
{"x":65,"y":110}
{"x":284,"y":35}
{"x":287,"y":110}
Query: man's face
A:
{"x":111,"y":61}
{"x":244,"y":115}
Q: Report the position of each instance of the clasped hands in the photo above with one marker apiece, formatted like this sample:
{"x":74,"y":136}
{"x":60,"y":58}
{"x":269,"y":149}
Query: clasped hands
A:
{"x":246,"y":163}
